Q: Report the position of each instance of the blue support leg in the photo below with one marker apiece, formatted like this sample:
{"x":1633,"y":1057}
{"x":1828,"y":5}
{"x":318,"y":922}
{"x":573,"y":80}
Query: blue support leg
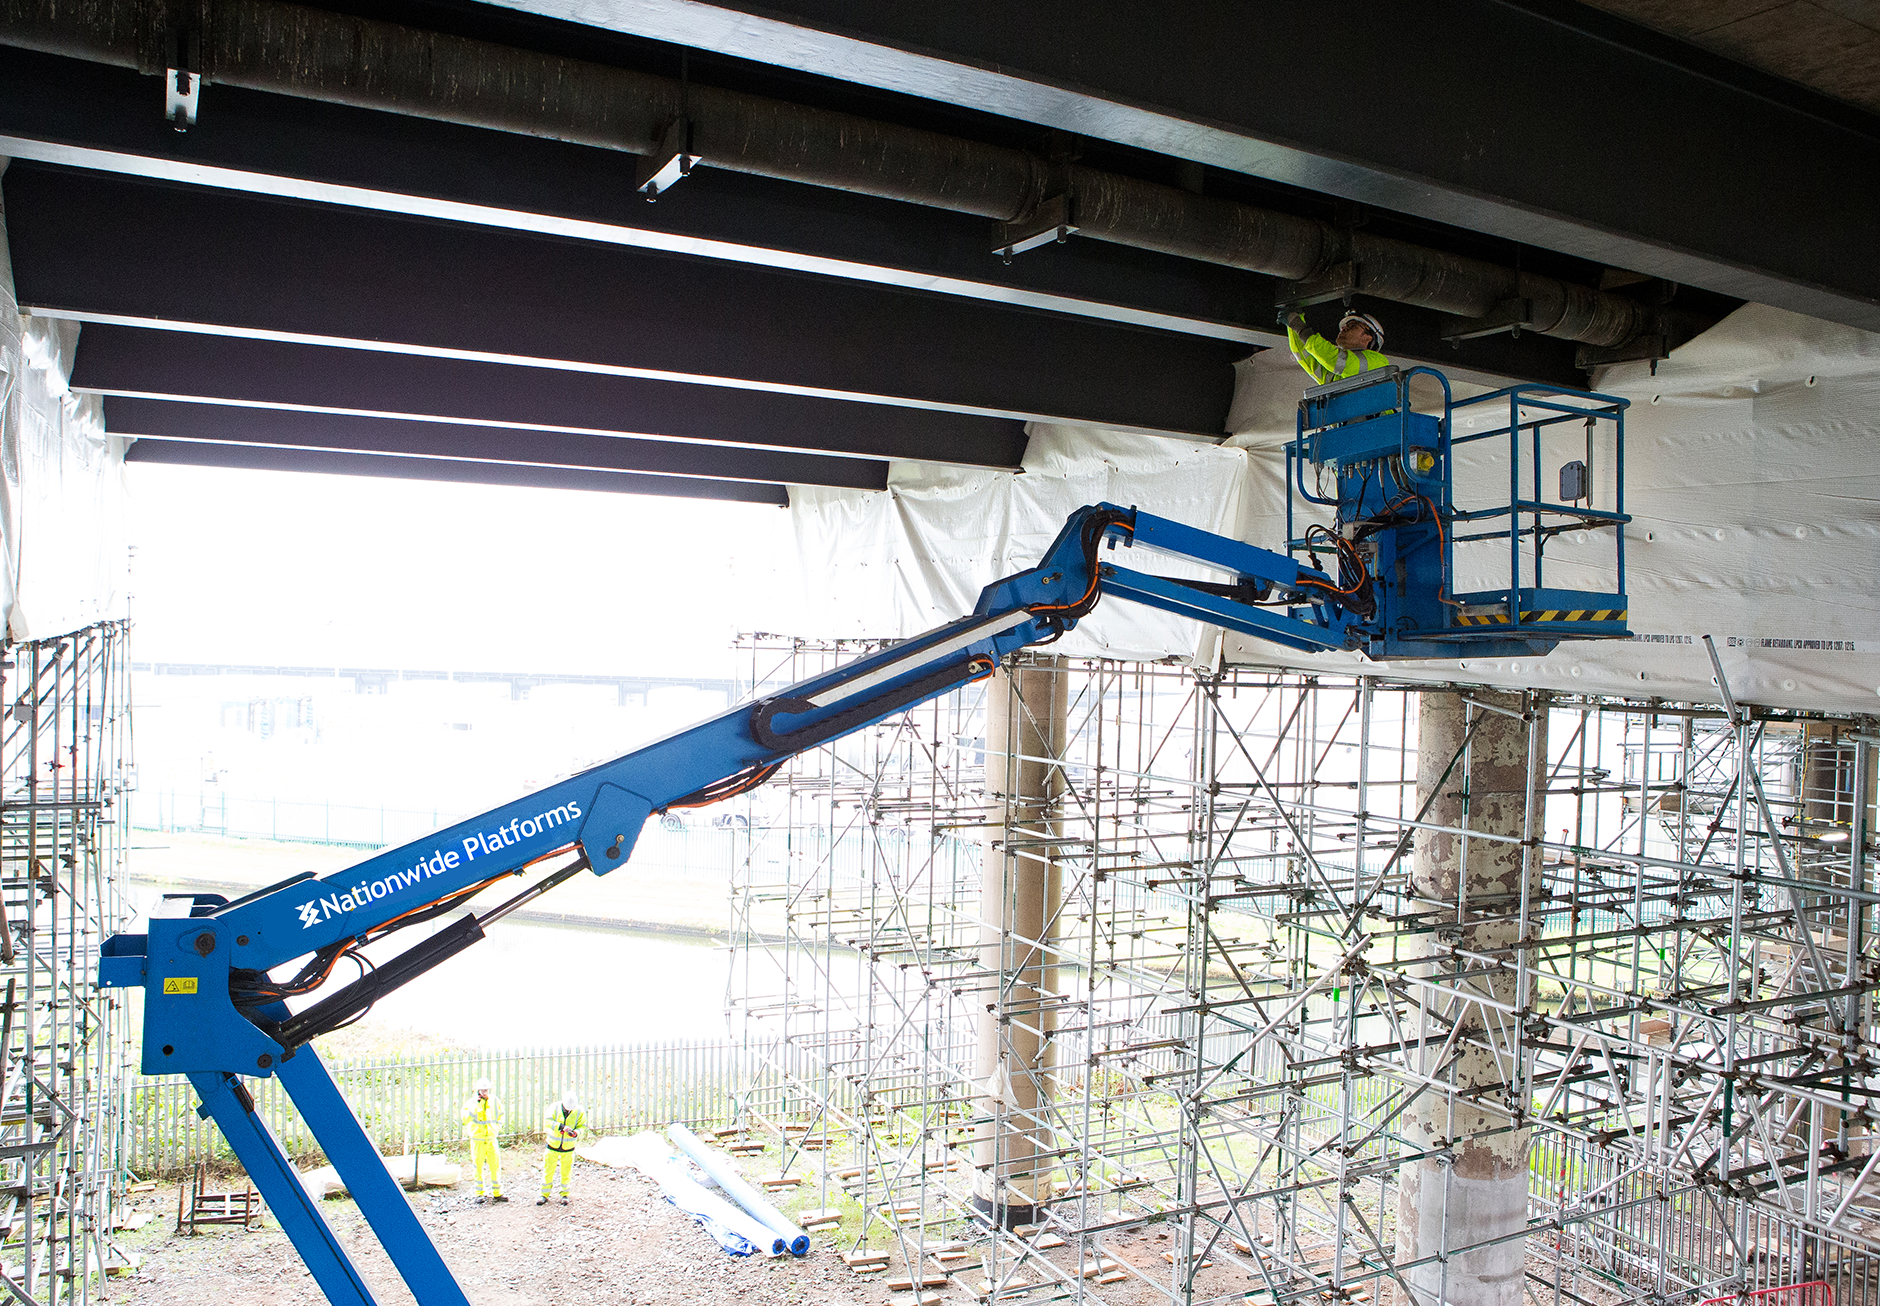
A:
{"x":226,"y":1099}
{"x":380,"y":1198}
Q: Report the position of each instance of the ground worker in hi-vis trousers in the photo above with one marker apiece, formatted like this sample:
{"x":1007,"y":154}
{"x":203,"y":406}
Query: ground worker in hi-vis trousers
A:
{"x":562,"y":1131}
{"x":483,"y":1125}
{"x":1355,"y":350}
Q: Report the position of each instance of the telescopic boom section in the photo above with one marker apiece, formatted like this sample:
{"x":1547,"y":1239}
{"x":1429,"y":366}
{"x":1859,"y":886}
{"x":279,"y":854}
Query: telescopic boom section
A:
{"x":215,"y":1009}
{"x":597,"y":815}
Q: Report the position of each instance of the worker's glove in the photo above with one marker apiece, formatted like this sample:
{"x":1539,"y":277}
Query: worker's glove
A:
{"x":1297,"y":321}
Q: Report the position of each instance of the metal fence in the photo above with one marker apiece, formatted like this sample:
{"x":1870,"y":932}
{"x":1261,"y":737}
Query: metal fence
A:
{"x":406,"y":1106}
{"x":216,"y":811}
{"x":663,"y":845}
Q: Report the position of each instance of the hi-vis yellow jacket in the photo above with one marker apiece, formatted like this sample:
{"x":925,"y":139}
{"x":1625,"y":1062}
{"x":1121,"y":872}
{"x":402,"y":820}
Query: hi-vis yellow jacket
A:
{"x":482,"y":1119}
{"x":1325,"y":361}
{"x":564,"y":1127}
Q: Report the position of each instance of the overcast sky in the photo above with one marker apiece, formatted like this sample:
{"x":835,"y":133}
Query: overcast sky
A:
{"x":280,"y":568}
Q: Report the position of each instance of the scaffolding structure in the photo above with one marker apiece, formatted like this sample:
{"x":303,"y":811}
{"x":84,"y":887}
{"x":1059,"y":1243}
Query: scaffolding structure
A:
{"x":1245,"y":999}
{"x":65,"y":1045}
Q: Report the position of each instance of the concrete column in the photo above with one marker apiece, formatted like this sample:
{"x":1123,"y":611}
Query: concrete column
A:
{"x":1011,"y":1147}
{"x":1831,"y":767}
{"x":1476,"y":1188}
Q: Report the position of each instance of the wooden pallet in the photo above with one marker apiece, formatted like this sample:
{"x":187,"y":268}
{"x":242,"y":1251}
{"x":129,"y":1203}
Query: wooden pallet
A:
{"x":198,"y":1204}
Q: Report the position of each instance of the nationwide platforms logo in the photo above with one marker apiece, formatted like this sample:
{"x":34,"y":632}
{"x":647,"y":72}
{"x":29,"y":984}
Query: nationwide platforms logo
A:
{"x":438,"y":862}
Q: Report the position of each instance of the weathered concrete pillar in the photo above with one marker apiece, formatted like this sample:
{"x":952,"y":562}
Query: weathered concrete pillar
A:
{"x":1012,"y":1147}
{"x":1475,"y":1189}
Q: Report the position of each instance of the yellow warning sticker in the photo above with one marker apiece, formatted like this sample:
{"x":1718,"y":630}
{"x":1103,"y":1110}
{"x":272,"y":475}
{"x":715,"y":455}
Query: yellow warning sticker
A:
{"x":179,"y":985}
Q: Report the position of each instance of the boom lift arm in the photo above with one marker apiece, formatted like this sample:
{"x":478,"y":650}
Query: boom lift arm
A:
{"x":216,"y":1010}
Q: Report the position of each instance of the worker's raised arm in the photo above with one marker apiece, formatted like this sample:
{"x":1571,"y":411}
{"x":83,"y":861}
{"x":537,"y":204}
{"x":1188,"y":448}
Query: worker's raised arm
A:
{"x":1354,"y":352}
{"x":1311,"y":351}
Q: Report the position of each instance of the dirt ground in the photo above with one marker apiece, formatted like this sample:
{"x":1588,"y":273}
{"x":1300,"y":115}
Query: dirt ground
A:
{"x":619,"y":1241}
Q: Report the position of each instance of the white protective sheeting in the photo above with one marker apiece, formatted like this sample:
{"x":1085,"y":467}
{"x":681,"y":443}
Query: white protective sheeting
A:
{"x":1753,"y":476}
{"x":62,"y":491}
{"x":1752,"y":470}
{"x":896,"y":562}
{"x":422,"y":1170}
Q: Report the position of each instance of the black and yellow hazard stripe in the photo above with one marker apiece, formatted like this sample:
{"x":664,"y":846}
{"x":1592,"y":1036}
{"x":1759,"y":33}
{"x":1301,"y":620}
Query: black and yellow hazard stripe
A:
{"x":1553,"y":614}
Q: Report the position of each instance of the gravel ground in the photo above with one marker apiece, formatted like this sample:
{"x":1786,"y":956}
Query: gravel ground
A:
{"x":619,"y":1241}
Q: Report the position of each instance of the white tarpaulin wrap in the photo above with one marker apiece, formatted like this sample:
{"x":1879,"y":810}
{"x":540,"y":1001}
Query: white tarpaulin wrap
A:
{"x":62,"y":507}
{"x":897,"y":562}
{"x":1752,"y":470}
{"x":1753,"y":476}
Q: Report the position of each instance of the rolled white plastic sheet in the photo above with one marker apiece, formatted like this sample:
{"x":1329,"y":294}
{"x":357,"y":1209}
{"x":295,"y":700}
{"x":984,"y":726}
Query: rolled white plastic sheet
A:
{"x":734,"y":1230}
{"x":726,"y":1176}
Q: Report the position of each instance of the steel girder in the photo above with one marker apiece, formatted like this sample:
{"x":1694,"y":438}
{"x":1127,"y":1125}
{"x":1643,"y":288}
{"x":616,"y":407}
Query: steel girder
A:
{"x":95,"y":116}
{"x":255,"y":458}
{"x":188,"y":365}
{"x":100,"y":247}
{"x":285,"y":428}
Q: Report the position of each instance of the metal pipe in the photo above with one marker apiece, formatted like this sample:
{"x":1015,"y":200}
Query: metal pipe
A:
{"x":288,"y":49}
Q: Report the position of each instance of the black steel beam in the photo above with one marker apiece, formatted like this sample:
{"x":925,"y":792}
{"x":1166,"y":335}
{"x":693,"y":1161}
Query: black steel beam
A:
{"x":115,"y":359}
{"x":292,"y":429}
{"x":188,"y":453}
{"x":95,"y":116}
{"x":96,"y":245}
{"x":1543,"y":121}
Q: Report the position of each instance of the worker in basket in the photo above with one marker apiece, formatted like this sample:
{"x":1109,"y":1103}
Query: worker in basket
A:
{"x":562,"y":1131}
{"x":483,"y":1125}
{"x":1354,"y":351}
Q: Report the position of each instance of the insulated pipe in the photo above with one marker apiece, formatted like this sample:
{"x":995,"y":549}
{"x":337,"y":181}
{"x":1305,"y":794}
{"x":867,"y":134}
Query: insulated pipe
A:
{"x":726,"y":1176}
{"x":287,"y":49}
{"x":1144,"y":215}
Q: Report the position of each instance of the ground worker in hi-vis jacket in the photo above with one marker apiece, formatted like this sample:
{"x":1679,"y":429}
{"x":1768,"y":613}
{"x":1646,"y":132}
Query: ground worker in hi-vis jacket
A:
{"x":1355,"y":350}
{"x":562,"y":1131}
{"x":483,"y":1125}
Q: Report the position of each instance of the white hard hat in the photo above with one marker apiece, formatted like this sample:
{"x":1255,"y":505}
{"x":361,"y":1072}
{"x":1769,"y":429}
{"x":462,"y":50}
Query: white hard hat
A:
{"x":1366,"y":321}
{"x":569,"y":1101}
{"x":483,"y":1084}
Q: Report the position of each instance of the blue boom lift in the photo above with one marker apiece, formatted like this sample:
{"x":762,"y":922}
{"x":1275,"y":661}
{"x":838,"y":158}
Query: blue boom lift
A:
{"x":218,"y":976}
